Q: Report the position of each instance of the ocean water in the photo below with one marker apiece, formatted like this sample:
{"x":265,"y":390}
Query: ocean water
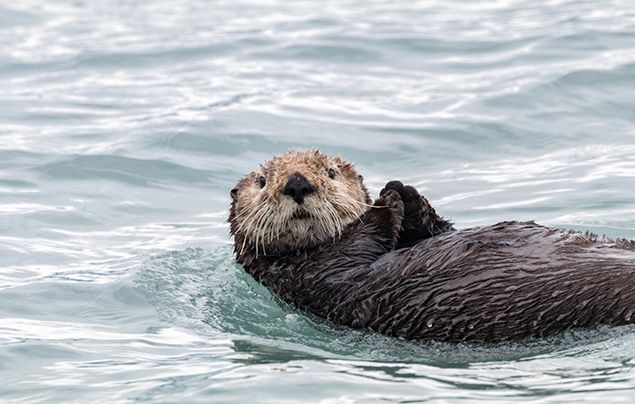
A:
{"x":124,"y":124}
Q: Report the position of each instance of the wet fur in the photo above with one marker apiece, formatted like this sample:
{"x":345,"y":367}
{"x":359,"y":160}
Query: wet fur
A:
{"x":492,"y":283}
{"x":264,"y":221}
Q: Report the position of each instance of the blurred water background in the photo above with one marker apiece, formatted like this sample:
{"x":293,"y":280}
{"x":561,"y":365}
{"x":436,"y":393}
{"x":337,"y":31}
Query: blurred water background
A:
{"x":124,"y":124}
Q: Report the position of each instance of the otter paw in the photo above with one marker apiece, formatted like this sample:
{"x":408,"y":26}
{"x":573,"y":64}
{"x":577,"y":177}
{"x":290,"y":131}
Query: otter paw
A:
{"x":414,"y":206}
{"x":417,"y":223}
{"x":413,"y":202}
{"x":392,"y":200}
{"x":392,"y":185}
{"x":420,"y":220}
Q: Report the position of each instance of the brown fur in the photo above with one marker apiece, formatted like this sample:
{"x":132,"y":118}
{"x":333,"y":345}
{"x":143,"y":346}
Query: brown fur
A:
{"x":261,"y":218}
{"x":400,"y":269}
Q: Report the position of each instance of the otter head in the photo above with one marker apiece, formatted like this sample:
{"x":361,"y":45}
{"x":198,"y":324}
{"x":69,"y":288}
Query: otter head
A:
{"x":293,"y":202}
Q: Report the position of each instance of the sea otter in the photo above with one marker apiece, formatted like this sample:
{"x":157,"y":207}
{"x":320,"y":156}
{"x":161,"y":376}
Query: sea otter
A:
{"x":304,"y":226}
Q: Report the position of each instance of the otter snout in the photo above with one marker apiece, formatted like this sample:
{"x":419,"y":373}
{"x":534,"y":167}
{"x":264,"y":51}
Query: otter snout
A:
{"x":298,"y":187}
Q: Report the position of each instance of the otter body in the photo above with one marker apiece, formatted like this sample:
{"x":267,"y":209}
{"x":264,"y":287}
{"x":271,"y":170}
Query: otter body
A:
{"x":492,"y":283}
{"x":401,"y":270}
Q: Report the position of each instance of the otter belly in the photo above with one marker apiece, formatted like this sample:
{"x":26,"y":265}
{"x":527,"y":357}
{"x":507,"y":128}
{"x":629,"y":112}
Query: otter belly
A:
{"x":506,"y":281}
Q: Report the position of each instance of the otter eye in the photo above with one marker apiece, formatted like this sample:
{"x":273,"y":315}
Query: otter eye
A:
{"x":331,"y":173}
{"x":262,"y":181}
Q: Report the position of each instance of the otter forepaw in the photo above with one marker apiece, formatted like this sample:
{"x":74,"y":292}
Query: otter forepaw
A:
{"x":420,"y":220}
{"x":390,"y":200}
{"x":392,"y":185}
{"x":413,"y":203}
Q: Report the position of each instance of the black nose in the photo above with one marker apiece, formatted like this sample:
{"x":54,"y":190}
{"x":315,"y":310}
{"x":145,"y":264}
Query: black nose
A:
{"x":298,"y":187}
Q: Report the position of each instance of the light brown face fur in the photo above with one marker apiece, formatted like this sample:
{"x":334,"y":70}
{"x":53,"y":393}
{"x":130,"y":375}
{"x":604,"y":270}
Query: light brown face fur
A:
{"x":263,"y":218}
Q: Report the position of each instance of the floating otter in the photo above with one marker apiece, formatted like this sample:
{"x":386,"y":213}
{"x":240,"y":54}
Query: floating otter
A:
{"x":304,"y":227}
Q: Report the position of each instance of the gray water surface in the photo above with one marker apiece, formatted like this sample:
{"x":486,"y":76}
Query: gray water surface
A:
{"x":123,"y":126}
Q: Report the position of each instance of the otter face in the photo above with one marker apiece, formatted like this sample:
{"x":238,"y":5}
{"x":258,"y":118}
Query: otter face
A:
{"x":295,"y":201}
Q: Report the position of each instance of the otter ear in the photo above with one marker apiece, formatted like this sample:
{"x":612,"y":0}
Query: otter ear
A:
{"x":234,"y":193}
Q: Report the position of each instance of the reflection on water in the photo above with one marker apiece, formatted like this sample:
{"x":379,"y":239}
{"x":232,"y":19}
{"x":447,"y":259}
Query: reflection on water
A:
{"x":124,"y":125}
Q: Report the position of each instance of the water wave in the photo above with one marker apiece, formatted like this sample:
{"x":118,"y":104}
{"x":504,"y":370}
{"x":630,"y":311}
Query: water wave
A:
{"x":124,"y":125}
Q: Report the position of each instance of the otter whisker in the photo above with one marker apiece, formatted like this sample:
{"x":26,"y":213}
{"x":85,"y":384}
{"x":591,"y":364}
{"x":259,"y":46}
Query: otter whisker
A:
{"x":365,"y":279}
{"x":265,"y":227}
{"x":251,"y":216}
{"x":348,"y":207}
{"x":258,"y":224}
{"x":335,"y":225}
{"x":242,"y":248}
{"x":366,"y":205}
{"x":268,"y":221}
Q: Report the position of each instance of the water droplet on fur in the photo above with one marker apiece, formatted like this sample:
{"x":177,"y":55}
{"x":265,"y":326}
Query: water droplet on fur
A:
{"x":575,"y":322}
{"x":555,"y":294}
{"x":629,"y":315}
{"x":429,"y":323}
{"x":471,"y":326}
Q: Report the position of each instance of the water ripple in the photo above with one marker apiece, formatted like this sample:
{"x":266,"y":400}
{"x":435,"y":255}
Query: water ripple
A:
{"x":124,"y":125}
